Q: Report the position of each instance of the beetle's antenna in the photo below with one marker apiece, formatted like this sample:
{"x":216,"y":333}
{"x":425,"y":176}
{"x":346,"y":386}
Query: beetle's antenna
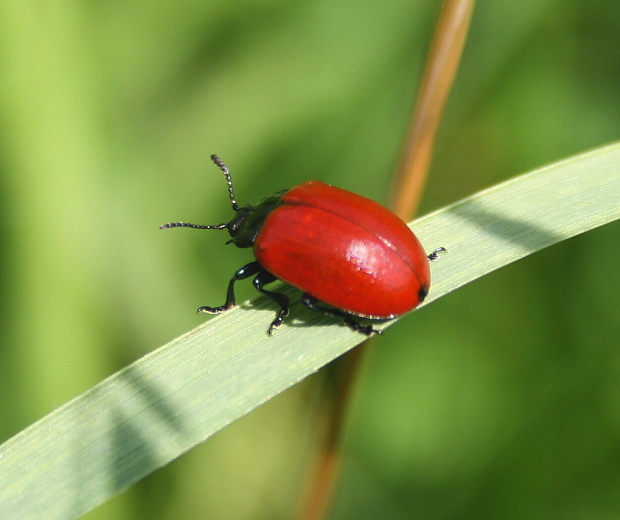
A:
{"x":220,"y":164}
{"x":193,"y":226}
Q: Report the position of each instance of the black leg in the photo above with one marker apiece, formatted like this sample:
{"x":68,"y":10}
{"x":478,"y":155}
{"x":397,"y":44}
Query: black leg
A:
{"x":245,"y":272}
{"x":435,"y":254}
{"x":263,"y":278}
{"x":349,"y":321}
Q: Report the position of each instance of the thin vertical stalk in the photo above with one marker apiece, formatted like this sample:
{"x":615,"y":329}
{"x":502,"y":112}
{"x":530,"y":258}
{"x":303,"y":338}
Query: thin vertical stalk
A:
{"x":437,"y":79}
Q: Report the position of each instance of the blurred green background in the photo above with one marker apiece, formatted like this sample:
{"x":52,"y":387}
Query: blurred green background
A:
{"x":501,"y":400}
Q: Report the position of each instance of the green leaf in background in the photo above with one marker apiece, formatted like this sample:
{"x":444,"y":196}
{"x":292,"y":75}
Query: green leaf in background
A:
{"x":499,"y":401}
{"x":164,"y":404}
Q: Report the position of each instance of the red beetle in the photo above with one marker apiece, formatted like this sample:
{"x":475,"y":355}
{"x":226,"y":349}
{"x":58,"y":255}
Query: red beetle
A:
{"x":349,"y":255}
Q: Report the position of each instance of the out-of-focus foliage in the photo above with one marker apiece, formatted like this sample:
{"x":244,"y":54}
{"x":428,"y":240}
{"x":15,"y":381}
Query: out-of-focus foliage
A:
{"x":501,"y":400}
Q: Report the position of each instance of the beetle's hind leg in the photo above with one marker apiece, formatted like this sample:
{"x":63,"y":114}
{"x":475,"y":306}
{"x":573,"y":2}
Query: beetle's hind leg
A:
{"x":262,"y":279}
{"x":312,"y":303}
{"x":245,"y":272}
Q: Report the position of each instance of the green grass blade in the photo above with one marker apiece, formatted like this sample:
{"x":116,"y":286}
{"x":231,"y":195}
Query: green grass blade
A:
{"x":153,"y":411}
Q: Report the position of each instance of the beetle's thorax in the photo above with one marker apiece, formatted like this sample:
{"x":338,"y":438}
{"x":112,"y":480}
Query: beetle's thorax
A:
{"x":249,"y":220}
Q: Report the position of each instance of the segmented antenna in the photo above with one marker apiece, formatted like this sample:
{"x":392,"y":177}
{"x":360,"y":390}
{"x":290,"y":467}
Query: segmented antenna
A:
{"x":193,"y":226}
{"x":220,"y":164}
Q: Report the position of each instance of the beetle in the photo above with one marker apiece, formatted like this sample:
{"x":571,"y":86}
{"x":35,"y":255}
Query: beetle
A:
{"x":350,"y":256}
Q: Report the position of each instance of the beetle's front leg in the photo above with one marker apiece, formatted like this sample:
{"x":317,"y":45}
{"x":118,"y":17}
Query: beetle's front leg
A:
{"x":245,"y":272}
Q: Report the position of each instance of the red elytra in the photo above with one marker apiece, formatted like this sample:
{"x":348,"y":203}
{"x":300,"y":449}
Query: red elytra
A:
{"x":348,"y":254}
{"x":344,"y":250}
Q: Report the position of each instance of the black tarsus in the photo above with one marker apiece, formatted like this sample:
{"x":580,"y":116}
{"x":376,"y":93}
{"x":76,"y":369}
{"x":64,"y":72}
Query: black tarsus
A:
{"x":312,"y":303}
{"x":244,"y":272}
{"x":435,"y":254}
{"x":262,"y":279}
